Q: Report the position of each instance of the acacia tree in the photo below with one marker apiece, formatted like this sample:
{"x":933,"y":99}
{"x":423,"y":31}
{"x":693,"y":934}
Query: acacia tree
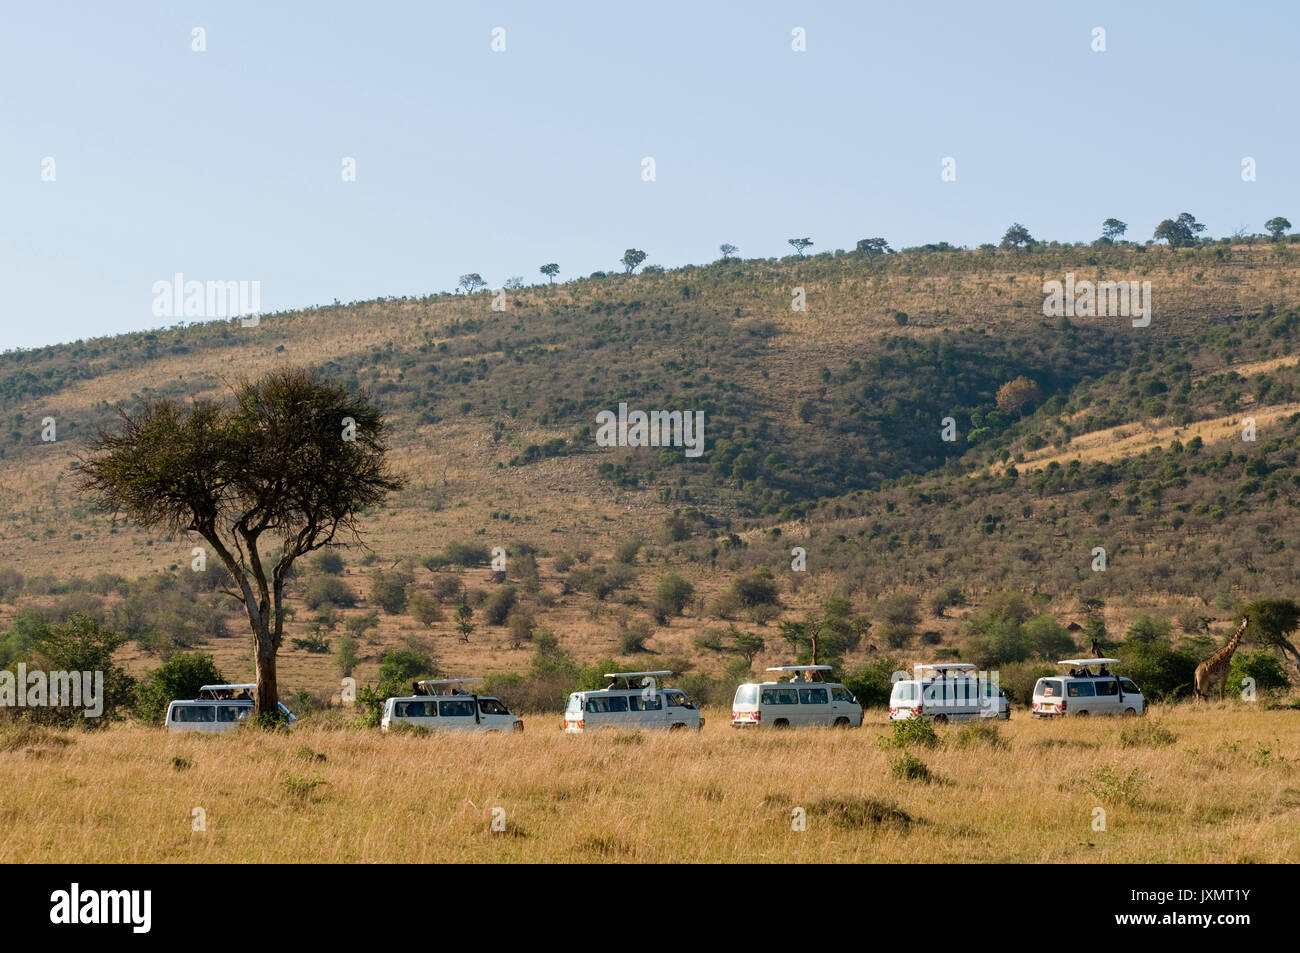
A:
{"x":871,"y":247}
{"x":1180,"y":232}
{"x":1276,"y":226}
{"x":799,"y":244}
{"x":550,"y":271}
{"x":1016,"y":236}
{"x":292,"y":460}
{"x":472,"y":282}
{"x":729,"y":250}
{"x":1112,"y":229}
{"x":1272,"y":621}
{"x":631,"y":258}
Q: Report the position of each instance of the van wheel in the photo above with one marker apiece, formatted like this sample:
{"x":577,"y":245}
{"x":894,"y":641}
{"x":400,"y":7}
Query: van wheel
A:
{"x":780,"y":723}
{"x":1081,"y":714}
{"x":841,"y":723}
{"x":677,"y":727}
{"x":1130,"y":713}
{"x":941,"y":719}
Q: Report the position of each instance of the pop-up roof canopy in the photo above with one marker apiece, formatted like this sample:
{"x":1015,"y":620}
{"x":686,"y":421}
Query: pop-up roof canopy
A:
{"x":943,"y":667}
{"x":628,"y":677}
{"x":1085,"y":662}
{"x":813,"y":670}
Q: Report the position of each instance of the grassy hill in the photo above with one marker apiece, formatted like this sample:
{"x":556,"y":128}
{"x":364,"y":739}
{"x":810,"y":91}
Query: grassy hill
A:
{"x":823,"y":431}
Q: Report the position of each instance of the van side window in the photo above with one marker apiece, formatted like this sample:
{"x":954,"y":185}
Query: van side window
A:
{"x":1129,"y":687}
{"x":1080,"y":690}
{"x":653,"y":702}
{"x":812,"y":696}
{"x":1108,"y":687}
{"x":781,"y":696}
{"x":195,"y":713}
{"x":607,"y":703}
{"x":490,"y":706}
{"x":842,"y":694}
{"x":416,"y":709}
{"x":456,"y":708}
{"x":678,"y":700}
{"x":232,"y":712}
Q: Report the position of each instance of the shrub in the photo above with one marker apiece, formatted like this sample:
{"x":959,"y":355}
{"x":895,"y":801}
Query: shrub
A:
{"x":625,"y":552}
{"x":1262,"y":666}
{"x":633,"y":636}
{"x":912,"y":731}
{"x":313,"y":644}
{"x":519,"y":625}
{"x":327,"y":561}
{"x":873,"y":683}
{"x":422,"y":607}
{"x":406,"y":665}
{"x":756,"y":588}
{"x":446,"y":588}
{"x":497,"y":606}
{"x":388,"y":591}
{"x":979,"y":733}
{"x":1146,"y":734}
{"x":907,"y":767}
{"x":81,"y":644}
{"x":347,"y":658}
{"x":181,"y":676}
{"x":675,"y":593}
{"x":328,"y":590}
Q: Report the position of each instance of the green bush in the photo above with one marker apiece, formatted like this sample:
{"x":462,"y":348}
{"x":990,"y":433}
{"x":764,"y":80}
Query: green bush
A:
{"x":497,"y":606}
{"x":907,"y":767}
{"x":912,"y":731}
{"x":1146,"y":734}
{"x":328,"y":590}
{"x":388,"y":591}
{"x":1261,"y":665}
{"x":328,"y":561}
{"x":873,"y":683}
{"x":979,"y":733}
{"x":675,"y":593}
{"x":180,"y":677}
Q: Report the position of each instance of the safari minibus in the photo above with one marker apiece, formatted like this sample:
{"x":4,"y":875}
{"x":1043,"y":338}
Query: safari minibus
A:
{"x":1081,"y":692}
{"x":632,"y":700}
{"x":444,"y":704}
{"x":947,"y":691}
{"x":806,"y":699}
{"x":218,"y":708}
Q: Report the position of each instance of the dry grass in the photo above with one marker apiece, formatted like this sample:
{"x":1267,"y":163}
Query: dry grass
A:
{"x":1225,"y":790}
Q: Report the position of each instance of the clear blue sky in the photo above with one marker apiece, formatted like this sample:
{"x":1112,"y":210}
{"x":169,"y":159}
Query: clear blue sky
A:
{"x":225,"y":165}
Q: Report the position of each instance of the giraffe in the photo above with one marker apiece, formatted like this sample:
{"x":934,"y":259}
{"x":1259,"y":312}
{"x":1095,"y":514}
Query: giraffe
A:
{"x":1214,"y":670}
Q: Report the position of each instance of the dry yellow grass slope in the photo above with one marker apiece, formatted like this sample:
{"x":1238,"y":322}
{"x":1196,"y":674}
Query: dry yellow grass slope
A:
{"x":1226,"y":789}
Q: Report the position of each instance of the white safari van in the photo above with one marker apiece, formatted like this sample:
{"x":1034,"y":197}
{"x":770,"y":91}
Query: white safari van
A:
{"x":947,"y":691}
{"x":444,"y":704}
{"x":218,"y":708}
{"x":632,"y":700}
{"x":806,"y":699}
{"x":1081,"y":692}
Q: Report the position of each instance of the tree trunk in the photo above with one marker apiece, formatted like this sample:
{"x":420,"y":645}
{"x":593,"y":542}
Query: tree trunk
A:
{"x":268,"y":692}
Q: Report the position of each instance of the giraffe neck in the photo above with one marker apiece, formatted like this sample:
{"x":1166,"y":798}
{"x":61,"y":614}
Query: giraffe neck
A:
{"x":1225,"y":653}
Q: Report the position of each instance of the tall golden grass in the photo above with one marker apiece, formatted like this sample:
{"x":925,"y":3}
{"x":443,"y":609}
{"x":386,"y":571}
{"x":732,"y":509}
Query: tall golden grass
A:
{"x":1224,"y":789}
